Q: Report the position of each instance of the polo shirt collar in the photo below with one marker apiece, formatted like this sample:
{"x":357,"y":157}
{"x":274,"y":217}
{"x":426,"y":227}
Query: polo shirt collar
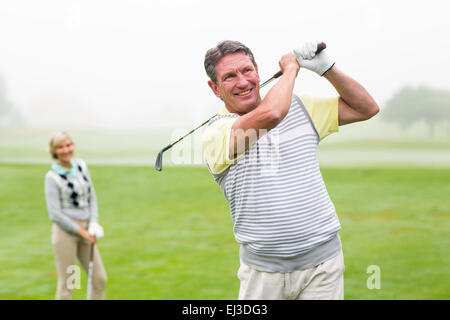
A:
{"x":61,"y":170}
{"x":224,"y":111}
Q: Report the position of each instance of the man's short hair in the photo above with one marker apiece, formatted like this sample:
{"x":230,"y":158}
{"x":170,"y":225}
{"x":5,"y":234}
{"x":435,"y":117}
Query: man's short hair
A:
{"x":224,"y":48}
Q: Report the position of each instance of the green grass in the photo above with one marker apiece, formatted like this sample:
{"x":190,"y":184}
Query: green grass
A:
{"x":169,"y":234}
{"x":31,"y":144}
{"x":361,"y":144}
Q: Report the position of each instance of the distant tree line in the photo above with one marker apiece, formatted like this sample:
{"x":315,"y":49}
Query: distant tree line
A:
{"x":410,"y":105}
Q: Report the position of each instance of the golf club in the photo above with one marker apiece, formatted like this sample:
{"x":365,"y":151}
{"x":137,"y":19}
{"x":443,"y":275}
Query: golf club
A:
{"x":90,"y":270}
{"x":158,"y":164}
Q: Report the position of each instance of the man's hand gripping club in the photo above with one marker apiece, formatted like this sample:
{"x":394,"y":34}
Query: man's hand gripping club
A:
{"x":308,"y":58}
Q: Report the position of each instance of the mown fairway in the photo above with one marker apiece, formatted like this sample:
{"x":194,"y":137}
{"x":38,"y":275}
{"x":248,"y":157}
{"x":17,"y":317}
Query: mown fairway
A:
{"x":169,"y":234}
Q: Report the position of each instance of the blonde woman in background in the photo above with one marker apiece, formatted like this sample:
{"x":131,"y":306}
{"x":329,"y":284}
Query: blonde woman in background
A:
{"x":72,"y":207}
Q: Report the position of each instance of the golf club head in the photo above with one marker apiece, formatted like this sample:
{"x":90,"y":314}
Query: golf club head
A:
{"x":158,"y":163}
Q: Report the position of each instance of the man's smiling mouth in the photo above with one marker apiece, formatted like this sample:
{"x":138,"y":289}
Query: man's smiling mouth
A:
{"x":243,"y":93}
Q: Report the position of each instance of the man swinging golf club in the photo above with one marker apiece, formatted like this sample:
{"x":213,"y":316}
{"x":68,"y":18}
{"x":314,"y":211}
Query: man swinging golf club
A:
{"x":263,"y":154}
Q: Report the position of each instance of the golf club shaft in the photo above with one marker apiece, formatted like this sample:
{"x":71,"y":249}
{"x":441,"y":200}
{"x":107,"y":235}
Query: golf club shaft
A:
{"x":169,"y":146}
{"x":90,"y":271}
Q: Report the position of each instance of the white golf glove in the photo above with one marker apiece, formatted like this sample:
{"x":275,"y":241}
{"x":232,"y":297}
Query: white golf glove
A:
{"x":96,"y":230}
{"x":307,"y":58}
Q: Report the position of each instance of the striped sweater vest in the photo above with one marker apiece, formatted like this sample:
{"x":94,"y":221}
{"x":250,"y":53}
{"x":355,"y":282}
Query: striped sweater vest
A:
{"x":278,"y":200}
{"x":75,"y":191}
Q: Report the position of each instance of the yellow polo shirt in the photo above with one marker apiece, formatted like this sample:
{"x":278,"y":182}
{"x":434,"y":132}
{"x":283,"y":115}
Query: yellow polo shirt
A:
{"x":216,"y":137}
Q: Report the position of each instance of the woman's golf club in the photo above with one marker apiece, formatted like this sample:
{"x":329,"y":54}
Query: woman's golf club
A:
{"x":90,"y":271}
{"x":158,"y":164}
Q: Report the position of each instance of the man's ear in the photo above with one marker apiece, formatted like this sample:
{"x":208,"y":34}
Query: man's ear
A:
{"x":214,"y":88}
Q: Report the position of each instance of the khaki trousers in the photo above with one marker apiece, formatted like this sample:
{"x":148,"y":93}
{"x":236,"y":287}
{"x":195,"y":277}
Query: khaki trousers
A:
{"x":322,"y":282}
{"x":68,"y":247}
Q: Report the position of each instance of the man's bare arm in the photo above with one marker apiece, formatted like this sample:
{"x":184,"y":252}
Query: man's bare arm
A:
{"x":355,"y":103}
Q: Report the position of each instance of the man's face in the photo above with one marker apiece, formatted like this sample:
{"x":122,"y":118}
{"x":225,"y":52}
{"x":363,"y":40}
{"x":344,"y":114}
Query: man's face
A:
{"x":237,"y":83}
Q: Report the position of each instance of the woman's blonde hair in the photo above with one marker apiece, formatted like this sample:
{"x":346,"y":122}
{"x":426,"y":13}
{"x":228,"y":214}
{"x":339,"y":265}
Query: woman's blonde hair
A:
{"x":55,"y":140}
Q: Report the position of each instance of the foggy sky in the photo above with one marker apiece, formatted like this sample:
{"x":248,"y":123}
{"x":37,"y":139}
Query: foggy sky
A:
{"x":140,"y":63}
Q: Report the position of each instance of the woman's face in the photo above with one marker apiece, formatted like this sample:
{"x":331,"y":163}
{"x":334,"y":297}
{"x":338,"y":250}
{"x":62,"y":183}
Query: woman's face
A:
{"x":64,"y":150}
